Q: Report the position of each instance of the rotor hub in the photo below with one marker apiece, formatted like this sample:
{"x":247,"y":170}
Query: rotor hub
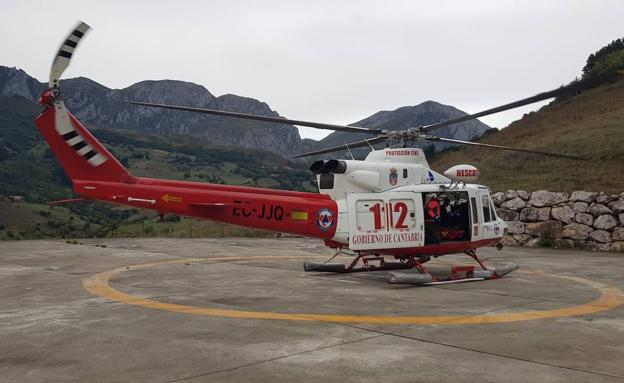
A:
{"x":47,"y":98}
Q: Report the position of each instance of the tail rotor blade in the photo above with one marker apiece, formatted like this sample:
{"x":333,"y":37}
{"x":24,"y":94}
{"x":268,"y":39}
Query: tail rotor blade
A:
{"x":505,"y":148}
{"x":65,"y":52}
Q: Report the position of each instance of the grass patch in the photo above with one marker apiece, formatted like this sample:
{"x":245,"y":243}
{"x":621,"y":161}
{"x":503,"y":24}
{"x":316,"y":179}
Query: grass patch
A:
{"x":590,"y":125}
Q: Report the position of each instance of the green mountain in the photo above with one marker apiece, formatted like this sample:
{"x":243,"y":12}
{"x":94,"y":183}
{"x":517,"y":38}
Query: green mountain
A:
{"x":97,"y":105}
{"x":28,"y":169}
{"x":589,"y":125}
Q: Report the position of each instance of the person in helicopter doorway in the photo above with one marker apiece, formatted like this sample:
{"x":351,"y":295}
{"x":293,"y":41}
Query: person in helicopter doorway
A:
{"x":433,"y":215}
{"x":442,"y":221}
{"x":445,"y":211}
{"x":454,"y":219}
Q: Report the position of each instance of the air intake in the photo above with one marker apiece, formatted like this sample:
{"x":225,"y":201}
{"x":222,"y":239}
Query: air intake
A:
{"x":317,"y":167}
{"x":335,"y":166}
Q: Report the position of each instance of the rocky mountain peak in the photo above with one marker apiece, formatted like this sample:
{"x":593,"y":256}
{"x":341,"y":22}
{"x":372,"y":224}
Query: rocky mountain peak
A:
{"x":425,"y":113}
{"x":234,"y":103}
{"x":16,"y":82}
{"x":103,"y":107}
{"x":168,"y":92}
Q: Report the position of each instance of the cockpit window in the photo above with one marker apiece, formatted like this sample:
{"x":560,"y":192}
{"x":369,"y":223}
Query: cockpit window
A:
{"x":485,"y":203}
{"x":473,"y":203}
{"x":326,"y":181}
{"x":493,"y":210}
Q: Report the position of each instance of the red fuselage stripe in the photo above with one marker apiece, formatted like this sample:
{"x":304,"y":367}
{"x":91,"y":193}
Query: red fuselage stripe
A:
{"x":261,"y":210}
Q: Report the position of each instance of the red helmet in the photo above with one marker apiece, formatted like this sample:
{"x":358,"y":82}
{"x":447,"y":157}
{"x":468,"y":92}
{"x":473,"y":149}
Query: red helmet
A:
{"x":433,"y":208}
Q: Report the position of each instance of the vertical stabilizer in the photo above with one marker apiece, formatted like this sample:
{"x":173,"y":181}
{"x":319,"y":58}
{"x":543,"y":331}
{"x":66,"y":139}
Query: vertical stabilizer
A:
{"x":80,"y":154}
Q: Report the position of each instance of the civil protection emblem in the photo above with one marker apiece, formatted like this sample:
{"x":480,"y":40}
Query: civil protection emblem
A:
{"x":325,"y":219}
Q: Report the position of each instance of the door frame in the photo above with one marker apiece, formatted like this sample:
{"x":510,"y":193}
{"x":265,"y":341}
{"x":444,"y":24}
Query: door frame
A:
{"x":387,"y":237}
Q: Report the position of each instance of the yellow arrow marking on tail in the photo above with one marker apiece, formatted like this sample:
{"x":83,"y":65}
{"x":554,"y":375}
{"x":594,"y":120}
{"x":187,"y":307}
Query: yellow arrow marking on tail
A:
{"x":170,"y":198}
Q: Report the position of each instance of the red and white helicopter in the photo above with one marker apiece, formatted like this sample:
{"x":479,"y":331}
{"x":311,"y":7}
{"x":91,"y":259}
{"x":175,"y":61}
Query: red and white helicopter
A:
{"x":392,"y":204}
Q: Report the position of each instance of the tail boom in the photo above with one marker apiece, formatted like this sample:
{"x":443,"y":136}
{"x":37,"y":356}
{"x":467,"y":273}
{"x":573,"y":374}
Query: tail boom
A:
{"x":96,"y":174}
{"x":301,"y":213}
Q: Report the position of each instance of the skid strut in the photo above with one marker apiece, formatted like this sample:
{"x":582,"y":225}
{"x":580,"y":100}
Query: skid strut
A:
{"x":458,"y":273}
{"x":369,"y":262}
{"x":473,"y":254}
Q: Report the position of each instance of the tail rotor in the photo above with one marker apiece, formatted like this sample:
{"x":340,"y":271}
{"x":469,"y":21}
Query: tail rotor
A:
{"x":80,"y":154}
{"x":65,"y":52}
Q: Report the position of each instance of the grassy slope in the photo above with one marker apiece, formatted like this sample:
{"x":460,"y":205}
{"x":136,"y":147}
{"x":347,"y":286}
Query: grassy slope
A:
{"x":598,"y":135}
{"x":26,"y":220}
{"x":183,"y":157}
{"x":35,"y":220}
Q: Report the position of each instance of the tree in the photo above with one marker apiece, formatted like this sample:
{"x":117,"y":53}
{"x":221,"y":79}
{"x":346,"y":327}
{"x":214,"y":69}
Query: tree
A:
{"x":609,"y":57}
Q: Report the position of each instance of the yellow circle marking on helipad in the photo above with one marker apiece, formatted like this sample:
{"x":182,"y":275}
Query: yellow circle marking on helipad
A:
{"x":610,"y":297}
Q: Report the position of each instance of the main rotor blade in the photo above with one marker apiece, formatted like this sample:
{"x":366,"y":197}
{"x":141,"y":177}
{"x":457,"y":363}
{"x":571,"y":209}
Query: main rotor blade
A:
{"x":505,"y":148}
{"x":279,"y":120}
{"x":65,"y":52}
{"x":568,"y":89}
{"x":357,"y":144}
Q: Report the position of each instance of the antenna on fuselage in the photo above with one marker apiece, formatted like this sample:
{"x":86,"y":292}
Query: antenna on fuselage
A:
{"x":349,"y":150}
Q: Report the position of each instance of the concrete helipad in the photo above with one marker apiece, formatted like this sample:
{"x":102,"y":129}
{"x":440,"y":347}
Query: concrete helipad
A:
{"x":168,"y":310}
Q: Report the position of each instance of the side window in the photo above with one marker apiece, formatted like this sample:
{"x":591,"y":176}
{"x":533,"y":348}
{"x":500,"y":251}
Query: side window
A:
{"x":485,"y":203}
{"x":326,"y":181}
{"x":473,"y":204}
{"x":371,"y":215}
{"x":402,"y":214}
{"x":404,"y":173}
{"x":493,"y":211}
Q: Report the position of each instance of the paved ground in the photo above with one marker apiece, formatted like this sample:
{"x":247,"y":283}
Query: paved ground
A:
{"x":157,"y":323}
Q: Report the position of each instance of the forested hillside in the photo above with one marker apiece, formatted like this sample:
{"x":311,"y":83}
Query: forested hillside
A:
{"x":28,"y":169}
{"x":589,"y":125}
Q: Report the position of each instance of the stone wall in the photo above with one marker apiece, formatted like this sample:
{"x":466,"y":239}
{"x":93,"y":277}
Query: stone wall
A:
{"x":587,"y":220}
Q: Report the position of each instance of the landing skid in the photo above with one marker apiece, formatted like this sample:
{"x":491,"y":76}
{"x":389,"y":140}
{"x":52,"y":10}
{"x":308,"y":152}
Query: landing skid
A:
{"x":366,"y":262}
{"x":417,"y":274}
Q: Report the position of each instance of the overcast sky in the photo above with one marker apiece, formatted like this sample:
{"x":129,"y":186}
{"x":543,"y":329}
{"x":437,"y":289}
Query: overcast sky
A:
{"x":328,"y":61}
